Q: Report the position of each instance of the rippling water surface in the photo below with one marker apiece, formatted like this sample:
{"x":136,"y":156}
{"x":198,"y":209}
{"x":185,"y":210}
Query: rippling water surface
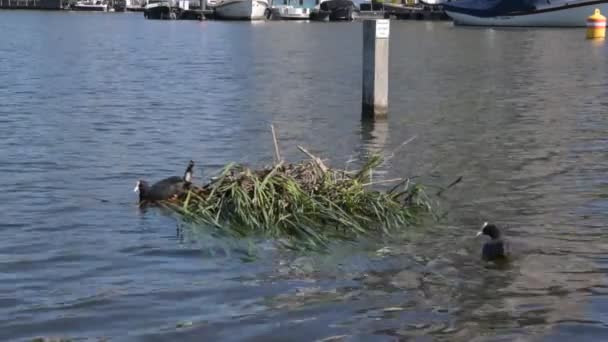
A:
{"x":90,"y":103}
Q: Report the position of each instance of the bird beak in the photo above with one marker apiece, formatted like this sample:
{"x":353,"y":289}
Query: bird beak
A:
{"x":481,"y":230}
{"x":136,"y":189}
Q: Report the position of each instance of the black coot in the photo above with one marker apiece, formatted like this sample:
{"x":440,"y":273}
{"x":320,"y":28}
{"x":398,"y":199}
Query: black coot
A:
{"x":166,"y":189}
{"x":496,"y":248}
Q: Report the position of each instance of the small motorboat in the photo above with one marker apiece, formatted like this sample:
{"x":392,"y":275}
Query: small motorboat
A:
{"x":97,"y":6}
{"x":159,"y":9}
{"x":290,"y":13}
{"x":318,"y":14}
{"x":335,"y":10}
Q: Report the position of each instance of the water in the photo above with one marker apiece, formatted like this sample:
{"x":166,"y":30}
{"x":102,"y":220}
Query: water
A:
{"x":93,"y":102}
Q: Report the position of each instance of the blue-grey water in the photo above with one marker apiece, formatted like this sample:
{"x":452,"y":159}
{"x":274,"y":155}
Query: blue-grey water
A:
{"x":89,"y":103}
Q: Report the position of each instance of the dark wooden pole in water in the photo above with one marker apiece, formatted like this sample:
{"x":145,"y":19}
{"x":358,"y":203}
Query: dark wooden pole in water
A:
{"x":375,"y":68}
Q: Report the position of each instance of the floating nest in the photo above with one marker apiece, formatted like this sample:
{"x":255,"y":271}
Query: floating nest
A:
{"x":303,"y":205}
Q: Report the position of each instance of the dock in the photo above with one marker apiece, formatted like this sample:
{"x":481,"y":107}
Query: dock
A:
{"x":377,"y":11}
{"x":32,"y":4}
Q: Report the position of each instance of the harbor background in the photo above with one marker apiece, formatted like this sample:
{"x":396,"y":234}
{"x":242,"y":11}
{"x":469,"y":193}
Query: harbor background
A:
{"x":91,"y":103}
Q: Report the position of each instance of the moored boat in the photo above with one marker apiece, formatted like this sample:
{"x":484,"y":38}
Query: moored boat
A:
{"x":291,"y":9}
{"x":433,"y":2}
{"x":97,"y":6}
{"x":335,"y":10}
{"x":403,"y":10}
{"x":135,"y":5}
{"x":240,"y":9}
{"x":318,"y":14}
{"x":540,"y":13}
{"x":290,"y":13}
{"x":159,"y":9}
{"x":119,"y":5}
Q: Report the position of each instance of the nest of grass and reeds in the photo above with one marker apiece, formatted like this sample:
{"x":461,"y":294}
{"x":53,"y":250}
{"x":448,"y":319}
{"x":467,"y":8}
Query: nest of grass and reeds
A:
{"x":304,"y":204}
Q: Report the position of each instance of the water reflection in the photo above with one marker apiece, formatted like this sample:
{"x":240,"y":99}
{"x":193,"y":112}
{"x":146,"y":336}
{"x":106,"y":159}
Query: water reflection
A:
{"x":374,"y":135}
{"x":519,"y":113}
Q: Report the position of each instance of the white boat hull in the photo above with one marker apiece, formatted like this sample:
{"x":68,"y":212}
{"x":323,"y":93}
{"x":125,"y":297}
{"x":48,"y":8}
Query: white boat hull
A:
{"x":290,"y":13}
{"x":93,"y":8}
{"x":574,"y":16}
{"x":241,"y":9}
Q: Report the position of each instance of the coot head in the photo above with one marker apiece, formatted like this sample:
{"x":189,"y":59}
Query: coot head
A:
{"x":188,"y":173}
{"x":141,"y":187}
{"x":495,"y":249}
{"x":165,"y":189}
{"x":490,"y":230}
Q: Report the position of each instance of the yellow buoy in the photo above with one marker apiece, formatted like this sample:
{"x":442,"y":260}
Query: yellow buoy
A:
{"x":596,"y":25}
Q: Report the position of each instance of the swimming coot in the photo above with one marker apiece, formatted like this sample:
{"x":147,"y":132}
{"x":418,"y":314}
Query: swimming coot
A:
{"x":496,"y":248}
{"x":166,"y":189}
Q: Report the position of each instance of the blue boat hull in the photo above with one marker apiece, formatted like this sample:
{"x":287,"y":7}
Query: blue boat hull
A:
{"x":560,"y":13}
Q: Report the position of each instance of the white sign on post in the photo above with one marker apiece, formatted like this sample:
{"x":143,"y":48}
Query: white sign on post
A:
{"x":382,"y":28}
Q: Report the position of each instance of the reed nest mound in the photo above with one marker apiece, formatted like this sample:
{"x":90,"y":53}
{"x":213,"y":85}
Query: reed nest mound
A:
{"x":305,"y":204}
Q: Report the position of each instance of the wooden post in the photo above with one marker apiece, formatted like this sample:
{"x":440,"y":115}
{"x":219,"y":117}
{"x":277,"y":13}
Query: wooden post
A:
{"x":375,"y":68}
